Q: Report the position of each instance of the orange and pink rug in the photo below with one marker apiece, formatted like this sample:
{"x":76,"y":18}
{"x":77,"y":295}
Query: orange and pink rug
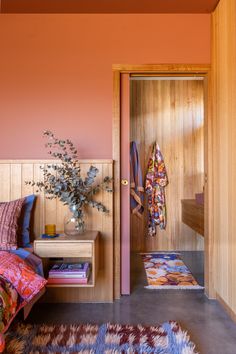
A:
{"x":168,"y":271}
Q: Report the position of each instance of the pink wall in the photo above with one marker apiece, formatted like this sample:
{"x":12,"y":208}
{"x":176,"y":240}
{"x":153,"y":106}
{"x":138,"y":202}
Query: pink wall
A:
{"x":56,"y":72}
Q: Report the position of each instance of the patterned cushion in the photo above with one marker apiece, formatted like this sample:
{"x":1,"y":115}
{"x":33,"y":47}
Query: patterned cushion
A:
{"x":9,"y":215}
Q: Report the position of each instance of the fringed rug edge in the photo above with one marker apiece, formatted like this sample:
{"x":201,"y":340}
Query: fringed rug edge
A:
{"x":174,"y":287}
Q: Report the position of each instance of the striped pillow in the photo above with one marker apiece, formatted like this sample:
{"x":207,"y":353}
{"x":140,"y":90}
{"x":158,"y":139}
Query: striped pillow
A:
{"x":9,"y":215}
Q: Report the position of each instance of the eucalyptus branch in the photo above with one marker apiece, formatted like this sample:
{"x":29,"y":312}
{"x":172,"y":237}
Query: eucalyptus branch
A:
{"x":64,"y":181}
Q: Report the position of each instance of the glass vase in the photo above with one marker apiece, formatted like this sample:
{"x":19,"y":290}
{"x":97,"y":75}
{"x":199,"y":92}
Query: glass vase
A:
{"x":73,"y":226}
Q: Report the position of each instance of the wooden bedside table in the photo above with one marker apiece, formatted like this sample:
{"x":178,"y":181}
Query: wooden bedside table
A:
{"x":84,"y":247}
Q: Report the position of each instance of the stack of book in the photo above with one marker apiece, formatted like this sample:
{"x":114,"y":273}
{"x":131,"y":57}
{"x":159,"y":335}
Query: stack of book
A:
{"x":69,"y":273}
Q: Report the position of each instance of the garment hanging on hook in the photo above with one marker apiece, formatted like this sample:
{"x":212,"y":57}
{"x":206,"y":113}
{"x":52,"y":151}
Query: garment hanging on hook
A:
{"x":156,"y":181}
{"x":136,"y":182}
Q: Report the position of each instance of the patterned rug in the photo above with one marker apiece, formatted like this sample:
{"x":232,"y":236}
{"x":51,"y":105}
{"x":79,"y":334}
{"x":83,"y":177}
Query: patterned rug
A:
{"x":168,"y":338}
{"x":168,"y":271}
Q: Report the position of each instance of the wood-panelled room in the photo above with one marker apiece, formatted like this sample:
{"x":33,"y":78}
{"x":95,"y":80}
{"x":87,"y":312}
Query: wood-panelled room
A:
{"x":169,"y":111}
{"x":118,"y":176}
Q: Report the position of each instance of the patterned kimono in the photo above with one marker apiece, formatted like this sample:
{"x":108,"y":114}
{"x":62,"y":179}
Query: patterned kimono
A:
{"x":156,"y":180}
{"x":136,"y":182}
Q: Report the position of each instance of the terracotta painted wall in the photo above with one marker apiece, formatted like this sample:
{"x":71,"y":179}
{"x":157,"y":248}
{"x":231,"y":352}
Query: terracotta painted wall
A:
{"x":56,"y":72}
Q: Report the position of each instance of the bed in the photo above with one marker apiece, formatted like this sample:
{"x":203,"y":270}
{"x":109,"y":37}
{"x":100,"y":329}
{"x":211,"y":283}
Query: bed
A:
{"x":21,"y":272}
{"x":20,"y":287}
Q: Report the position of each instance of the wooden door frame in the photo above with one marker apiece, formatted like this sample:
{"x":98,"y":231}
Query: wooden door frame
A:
{"x":203,"y":70}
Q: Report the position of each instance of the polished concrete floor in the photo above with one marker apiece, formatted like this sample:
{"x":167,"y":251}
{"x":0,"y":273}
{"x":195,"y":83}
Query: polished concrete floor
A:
{"x":210,"y":328}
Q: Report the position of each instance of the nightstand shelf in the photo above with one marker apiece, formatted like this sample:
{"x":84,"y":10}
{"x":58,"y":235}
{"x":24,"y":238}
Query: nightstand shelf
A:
{"x":78,"y":248}
{"x":89,"y":285}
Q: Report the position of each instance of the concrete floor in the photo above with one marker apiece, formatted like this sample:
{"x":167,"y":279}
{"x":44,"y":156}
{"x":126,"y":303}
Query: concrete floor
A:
{"x":210,"y":328}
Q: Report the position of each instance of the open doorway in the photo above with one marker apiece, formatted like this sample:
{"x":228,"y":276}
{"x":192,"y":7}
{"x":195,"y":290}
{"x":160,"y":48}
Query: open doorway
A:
{"x":121,"y":148}
{"x":169,"y":111}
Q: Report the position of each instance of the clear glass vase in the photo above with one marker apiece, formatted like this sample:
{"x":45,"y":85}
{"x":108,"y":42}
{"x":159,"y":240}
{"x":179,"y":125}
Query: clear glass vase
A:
{"x":73,"y":225}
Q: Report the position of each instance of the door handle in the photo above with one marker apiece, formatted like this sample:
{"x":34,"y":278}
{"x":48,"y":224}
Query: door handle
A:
{"x":124,"y":182}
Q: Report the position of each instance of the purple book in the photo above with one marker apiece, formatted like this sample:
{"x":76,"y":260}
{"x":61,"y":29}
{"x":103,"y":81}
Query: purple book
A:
{"x":70,"y":268}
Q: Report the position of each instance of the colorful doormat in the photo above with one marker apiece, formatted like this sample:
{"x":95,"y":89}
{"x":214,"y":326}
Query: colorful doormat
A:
{"x":168,"y":338}
{"x":168,"y":271}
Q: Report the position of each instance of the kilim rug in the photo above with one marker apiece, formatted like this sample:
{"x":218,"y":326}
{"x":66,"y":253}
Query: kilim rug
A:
{"x":168,"y":338}
{"x":168,"y":271}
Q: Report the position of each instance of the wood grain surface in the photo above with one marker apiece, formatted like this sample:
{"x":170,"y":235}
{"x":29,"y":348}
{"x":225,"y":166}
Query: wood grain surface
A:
{"x":224,"y":148}
{"x":170,"y":112}
{"x":193,"y":215}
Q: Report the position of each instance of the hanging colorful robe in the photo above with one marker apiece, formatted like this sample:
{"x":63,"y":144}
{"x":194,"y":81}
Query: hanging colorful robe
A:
{"x":156,"y":180}
{"x":136,"y":182}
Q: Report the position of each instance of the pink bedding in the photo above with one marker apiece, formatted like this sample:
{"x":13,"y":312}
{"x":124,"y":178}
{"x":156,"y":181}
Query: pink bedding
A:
{"x":19,"y":284}
{"x":26,"y":282}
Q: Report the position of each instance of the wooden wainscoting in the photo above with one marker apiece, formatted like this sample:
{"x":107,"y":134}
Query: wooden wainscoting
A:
{"x":224,"y":147}
{"x":14,"y":173}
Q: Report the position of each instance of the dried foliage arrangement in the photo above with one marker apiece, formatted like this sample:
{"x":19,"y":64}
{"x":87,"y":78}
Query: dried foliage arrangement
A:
{"x":64,"y":181}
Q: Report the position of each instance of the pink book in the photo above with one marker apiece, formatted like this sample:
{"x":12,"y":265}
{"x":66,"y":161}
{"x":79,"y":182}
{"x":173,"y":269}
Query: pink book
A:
{"x":67,"y":280}
{"x":63,"y":275}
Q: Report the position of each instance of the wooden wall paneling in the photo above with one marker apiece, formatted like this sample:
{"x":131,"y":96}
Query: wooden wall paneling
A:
{"x":16,"y":181}
{"x":193,"y":141}
{"x":171,"y":113}
{"x":51,"y":215}
{"x":221,"y":229}
{"x":107,"y":227}
{"x":208,"y":188}
{"x":5,"y":177}
{"x":136,"y":223}
{"x":61,"y":211}
{"x":27,"y":174}
{"x":51,"y":206}
{"x":39,"y":212}
{"x":193,"y":215}
{"x":13,"y":175}
{"x":177,"y":167}
{"x":224,"y":147}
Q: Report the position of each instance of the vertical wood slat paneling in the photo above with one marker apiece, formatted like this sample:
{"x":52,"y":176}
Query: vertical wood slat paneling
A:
{"x":40,"y":211}
{"x":13,"y":175}
{"x":224,"y":144}
{"x":171,"y":113}
{"x":5,"y":178}
{"x":15,"y":192}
